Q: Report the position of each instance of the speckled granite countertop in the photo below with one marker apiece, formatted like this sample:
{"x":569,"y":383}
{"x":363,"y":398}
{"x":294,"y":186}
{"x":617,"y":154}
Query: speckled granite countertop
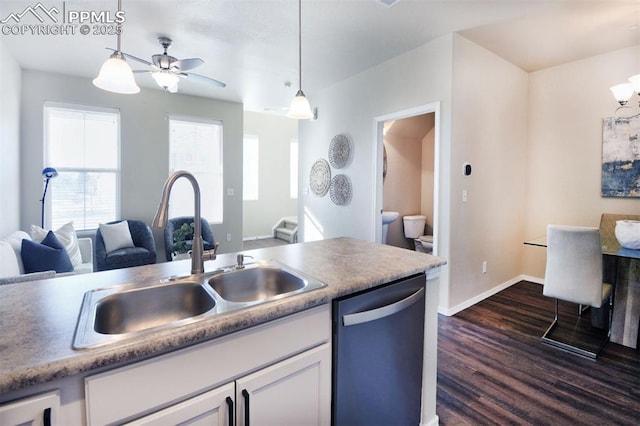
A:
{"x":38,"y":319}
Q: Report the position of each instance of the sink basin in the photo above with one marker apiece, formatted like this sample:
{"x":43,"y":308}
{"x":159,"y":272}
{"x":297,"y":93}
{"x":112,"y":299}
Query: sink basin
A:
{"x":140,"y":309}
{"x":128,"y":312}
{"x":255,"y":283}
{"x":124,"y":312}
{"x":388,"y":217}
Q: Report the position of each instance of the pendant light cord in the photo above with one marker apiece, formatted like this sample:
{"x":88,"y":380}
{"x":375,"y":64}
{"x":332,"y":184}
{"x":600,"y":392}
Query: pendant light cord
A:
{"x":119,"y":32}
{"x":299,"y":44}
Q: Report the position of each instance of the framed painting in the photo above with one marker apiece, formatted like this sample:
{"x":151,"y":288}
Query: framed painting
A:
{"x":621,"y":156}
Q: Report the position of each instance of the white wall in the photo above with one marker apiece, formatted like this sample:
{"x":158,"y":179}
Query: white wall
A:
{"x":274,"y":202}
{"x":567,"y":105}
{"x":483,"y":120}
{"x":9,"y":143}
{"x":144,"y":146}
{"x":489,"y":130}
{"x":417,"y":78}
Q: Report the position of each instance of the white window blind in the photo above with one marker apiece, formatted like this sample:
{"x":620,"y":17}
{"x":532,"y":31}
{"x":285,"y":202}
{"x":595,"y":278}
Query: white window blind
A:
{"x":195,"y":145}
{"x":250,"y":168}
{"x":83,"y":144}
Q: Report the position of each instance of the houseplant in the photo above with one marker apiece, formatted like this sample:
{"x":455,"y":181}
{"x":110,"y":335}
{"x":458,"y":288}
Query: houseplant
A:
{"x":183,"y":240}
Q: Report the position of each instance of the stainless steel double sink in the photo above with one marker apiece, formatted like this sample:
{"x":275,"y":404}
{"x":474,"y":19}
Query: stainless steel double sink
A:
{"x":119,"y":313}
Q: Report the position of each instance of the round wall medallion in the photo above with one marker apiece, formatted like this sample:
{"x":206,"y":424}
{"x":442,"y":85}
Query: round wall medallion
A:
{"x":340,"y":151}
{"x":340,"y":191}
{"x":320,"y":177}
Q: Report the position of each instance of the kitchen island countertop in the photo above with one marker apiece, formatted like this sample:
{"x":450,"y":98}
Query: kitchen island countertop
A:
{"x":38,"y":319}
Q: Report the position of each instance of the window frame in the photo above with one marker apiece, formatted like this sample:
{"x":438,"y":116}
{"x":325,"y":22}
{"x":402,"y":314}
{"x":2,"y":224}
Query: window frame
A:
{"x":200,"y":120}
{"x":83,"y":108}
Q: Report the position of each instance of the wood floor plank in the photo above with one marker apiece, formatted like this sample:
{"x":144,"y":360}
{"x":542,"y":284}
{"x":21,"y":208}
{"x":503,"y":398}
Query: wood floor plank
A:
{"x":494,"y":369}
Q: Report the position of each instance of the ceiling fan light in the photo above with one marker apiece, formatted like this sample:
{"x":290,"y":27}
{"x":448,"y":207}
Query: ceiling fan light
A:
{"x":622,"y":92}
{"x":300,"y":108}
{"x":166,"y":80}
{"x":116,"y":76}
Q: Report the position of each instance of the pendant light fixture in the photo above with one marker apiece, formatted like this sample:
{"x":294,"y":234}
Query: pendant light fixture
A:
{"x":300,"y":108}
{"x":115,"y":74}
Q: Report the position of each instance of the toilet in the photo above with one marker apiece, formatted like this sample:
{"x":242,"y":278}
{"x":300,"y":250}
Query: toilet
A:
{"x":414,"y":229}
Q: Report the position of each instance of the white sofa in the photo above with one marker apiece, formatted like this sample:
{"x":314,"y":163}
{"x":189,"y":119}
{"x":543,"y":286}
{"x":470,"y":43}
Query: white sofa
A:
{"x":12,"y":269}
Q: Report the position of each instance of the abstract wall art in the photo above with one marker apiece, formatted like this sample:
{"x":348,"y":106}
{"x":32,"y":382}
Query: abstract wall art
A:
{"x":621,"y":156}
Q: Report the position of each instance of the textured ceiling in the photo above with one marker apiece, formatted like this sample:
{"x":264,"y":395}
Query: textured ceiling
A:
{"x":252,"y":44}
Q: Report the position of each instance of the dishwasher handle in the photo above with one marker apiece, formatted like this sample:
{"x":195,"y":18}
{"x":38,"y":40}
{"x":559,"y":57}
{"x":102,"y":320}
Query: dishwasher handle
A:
{"x":384,"y":311}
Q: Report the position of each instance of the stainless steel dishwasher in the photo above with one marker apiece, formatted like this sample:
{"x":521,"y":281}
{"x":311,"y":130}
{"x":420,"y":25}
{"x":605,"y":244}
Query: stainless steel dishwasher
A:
{"x":377,"y":355}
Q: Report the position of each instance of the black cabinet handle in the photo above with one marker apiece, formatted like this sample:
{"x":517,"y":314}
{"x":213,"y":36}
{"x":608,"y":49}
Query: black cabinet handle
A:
{"x":230,"y":409}
{"x":46,"y":417}
{"x":245,"y":395}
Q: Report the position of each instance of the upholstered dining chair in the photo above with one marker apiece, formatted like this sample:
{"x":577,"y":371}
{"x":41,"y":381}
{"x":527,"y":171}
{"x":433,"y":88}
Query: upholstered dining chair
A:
{"x":177,"y":222}
{"x":143,"y":251}
{"x":574,"y":274}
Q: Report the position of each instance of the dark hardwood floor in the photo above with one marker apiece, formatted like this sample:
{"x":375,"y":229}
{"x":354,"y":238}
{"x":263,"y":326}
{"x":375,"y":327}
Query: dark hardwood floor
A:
{"x":262,"y":243}
{"x":493,"y":368}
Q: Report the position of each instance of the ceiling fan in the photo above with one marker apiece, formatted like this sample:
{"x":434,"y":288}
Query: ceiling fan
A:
{"x":167,"y":70}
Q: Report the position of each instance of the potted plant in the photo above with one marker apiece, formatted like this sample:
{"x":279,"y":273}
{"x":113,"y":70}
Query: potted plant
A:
{"x":183,"y":241}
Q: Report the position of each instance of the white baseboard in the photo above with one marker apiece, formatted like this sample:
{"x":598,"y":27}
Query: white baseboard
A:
{"x":259,"y":237}
{"x":536,"y":280}
{"x":434,"y":421}
{"x":479,"y":298}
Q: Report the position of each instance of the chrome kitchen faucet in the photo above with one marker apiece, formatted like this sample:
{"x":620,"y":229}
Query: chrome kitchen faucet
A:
{"x":198,"y":254}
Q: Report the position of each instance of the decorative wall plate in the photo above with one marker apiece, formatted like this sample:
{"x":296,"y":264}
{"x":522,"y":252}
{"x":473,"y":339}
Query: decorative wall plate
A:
{"x":320,"y":177}
{"x":340,"y":151}
{"x":340,"y":191}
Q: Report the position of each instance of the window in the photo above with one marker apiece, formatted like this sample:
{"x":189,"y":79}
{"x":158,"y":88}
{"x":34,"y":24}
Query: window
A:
{"x":83,"y":144}
{"x":293,"y":168}
{"x":250,"y":167}
{"x":195,"y":145}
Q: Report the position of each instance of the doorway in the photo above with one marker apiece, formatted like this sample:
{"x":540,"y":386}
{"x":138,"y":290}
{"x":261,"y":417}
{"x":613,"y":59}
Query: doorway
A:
{"x":407,"y":152}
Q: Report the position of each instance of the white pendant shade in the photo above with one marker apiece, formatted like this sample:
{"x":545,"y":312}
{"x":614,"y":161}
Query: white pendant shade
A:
{"x":166,"y":80}
{"x":116,"y":76}
{"x":300,"y":108}
{"x":635,"y":82}
{"x":622,"y":92}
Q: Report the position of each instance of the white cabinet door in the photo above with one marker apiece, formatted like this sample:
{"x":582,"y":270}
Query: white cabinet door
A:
{"x":213,"y":408}
{"x":294,"y":392}
{"x":40,"y":410}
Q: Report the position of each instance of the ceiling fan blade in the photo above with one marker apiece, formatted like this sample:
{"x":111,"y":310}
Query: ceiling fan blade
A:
{"x":141,"y":71}
{"x":133,"y":58}
{"x":202,"y":79}
{"x":187,"y":64}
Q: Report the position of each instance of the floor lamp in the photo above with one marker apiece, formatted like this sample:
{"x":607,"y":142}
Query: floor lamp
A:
{"x":48,"y":173}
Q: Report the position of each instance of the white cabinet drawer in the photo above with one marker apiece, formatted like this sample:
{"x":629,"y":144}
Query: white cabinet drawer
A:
{"x":213,"y":408}
{"x":38,"y":410}
{"x":141,"y":388}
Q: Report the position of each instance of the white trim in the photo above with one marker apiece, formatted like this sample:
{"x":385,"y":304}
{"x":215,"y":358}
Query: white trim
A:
{"x":479,"y":298}
{"x":434,"y":421}
{"x":536,"y":280}
{"x":194,"y":119}
{"x":258,"y":237}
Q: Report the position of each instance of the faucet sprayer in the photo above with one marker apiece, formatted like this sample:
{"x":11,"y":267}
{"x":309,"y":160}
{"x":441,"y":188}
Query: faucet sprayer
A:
{"x":198,"y":254}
